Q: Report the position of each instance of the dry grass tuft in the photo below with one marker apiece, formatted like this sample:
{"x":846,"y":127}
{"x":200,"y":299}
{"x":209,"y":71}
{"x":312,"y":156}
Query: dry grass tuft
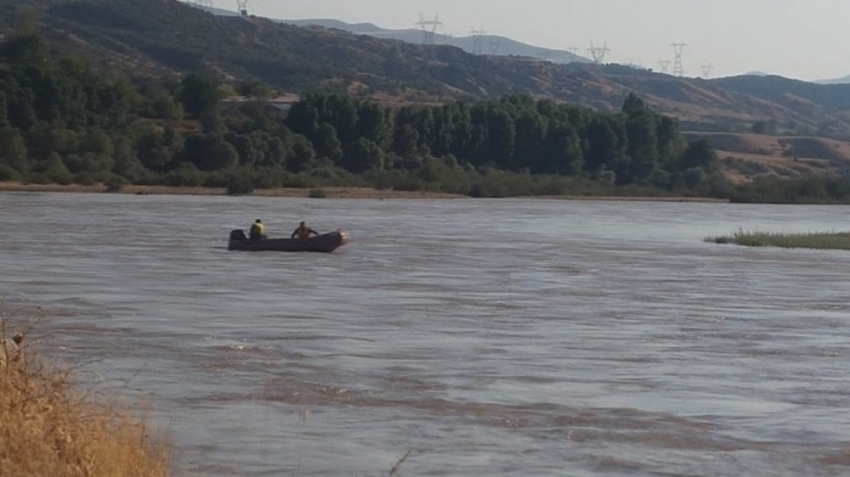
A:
{"x":48,"y":427}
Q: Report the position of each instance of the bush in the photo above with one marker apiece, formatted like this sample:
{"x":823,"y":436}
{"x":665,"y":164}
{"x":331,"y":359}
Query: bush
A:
{"x":85,"y":178}
{"x":115,"y":183}
{"x":7,"y":174}
{"x":186,"y":175}
{"x":240,"y":183}
{"x":317,"y":193}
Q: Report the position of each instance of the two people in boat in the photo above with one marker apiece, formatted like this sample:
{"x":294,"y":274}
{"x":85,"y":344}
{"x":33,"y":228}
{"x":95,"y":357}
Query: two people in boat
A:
{"x":258,"y":231}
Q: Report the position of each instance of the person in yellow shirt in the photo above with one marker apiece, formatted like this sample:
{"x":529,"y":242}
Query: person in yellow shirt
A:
{"x":257,"y":231}
{"x":303,"y":232}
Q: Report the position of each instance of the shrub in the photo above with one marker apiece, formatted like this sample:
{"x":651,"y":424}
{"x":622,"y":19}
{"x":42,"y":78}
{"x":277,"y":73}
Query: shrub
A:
{"x":317,"y":193}
{"x":85,"y":178}
{"x":240,"y":184}
{"x":115,"y":183}
{"x":7,"y":174}
{"x":186,"y":175}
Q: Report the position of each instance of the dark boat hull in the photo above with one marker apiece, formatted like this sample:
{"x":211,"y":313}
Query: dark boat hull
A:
{"x":325,"y":243}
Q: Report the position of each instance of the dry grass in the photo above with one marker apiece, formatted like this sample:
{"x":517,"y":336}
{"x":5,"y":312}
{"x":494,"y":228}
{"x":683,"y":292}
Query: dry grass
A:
{"x":49,"y":427}
{"x":811,"y":240}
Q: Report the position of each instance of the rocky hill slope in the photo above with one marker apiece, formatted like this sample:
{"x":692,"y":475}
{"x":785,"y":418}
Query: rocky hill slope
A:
{"x":166,"y":37}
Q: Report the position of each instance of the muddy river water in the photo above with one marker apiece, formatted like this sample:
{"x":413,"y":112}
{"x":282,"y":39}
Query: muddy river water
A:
{"x":487,"y":337}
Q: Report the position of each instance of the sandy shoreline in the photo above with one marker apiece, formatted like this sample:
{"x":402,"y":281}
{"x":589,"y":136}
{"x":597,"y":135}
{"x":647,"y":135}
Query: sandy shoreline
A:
{"x":330,"y":192}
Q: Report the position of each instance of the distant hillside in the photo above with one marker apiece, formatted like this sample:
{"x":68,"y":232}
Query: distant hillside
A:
{"x":166,"y":37}
{"x":745,"y":156}
{"x":484,"y":44}
{"x":844,"y":80}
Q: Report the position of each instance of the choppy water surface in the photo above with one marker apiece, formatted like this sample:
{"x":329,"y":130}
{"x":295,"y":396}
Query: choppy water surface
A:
{"x":505,"y":337}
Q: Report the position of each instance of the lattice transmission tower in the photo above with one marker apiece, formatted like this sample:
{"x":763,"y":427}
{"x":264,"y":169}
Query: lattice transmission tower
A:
{"x":598,"y":52}
{"x":477,"y":44}
{"x":706,"y":70}
{"x":678,"y":68}
{"x":242,"y":7}
{"x":665,"y":65}
{"x":429,"y":28}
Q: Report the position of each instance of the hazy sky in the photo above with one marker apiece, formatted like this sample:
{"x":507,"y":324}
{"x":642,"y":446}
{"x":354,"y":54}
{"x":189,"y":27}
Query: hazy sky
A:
{"x":805,"y":39}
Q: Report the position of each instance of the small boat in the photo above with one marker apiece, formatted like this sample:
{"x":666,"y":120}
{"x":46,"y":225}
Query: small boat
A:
{"x":326,"y":243}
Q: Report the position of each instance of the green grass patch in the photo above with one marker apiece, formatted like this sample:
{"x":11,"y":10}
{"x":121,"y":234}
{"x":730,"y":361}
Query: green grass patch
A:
{"x":812,"y":240}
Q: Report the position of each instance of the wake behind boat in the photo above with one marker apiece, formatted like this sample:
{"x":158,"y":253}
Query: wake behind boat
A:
{"x":326,"y":243}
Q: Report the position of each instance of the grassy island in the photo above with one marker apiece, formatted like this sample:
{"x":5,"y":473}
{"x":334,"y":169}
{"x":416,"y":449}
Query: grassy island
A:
{"x":812,"y":240}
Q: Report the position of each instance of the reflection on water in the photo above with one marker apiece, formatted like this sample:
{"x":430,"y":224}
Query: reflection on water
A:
{"x":492,"y":337}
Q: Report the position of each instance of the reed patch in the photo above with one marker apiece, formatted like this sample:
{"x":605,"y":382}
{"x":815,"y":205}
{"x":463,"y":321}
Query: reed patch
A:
{"x":811,"y":240}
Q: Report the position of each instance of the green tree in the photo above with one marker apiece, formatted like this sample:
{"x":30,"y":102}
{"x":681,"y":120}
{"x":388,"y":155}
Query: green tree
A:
{"x":199,"y":94}
{"x":605,"y":149}
{"x":55,"y":170}
{"x":405,"y":140}
{"x":327,"y":145}
{"x":502,"y":136}
{"x":13,"y":150}
{"x":4,"y":110}
{"x":563,"y":152}
{"x":223,"y":156}
{"x":301,"y":153}
{"x":27,"y":45}
{"x":364,"y":155}
{"x":698,"y":154}
{"x":642,"y":148}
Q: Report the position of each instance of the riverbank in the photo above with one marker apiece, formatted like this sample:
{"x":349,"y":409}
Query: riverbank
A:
{"x":811,"y":240}
{"x":329,"y":192}
{"x":51,"y":427}
{"x":626,"y":198}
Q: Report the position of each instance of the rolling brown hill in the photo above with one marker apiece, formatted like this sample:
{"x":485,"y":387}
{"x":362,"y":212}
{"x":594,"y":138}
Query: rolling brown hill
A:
{"x":166,"y":37}
{"x":745,"y":156}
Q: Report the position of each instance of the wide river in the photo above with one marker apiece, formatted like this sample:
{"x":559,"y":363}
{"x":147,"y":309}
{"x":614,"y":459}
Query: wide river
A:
{"x":487,"y":337}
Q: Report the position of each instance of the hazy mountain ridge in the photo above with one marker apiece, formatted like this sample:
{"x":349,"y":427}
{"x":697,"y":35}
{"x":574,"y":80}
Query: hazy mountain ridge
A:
{"x":488,"y":44}
{"x":843,"y":80}
{"x":158,"y":37}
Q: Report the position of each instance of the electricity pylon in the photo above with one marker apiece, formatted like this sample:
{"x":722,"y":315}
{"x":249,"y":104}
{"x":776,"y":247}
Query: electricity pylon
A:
{"x":678,"y":69}
{"x":598,"y":52}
